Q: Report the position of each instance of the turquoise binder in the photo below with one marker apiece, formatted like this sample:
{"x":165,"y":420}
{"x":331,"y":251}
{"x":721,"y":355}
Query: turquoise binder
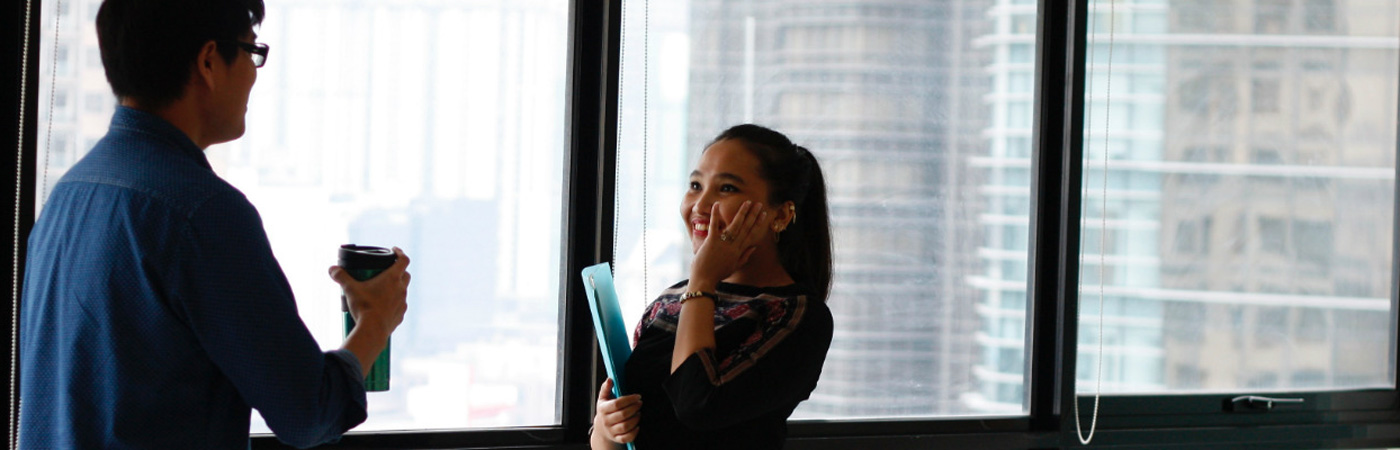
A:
{"x":607,"y":323}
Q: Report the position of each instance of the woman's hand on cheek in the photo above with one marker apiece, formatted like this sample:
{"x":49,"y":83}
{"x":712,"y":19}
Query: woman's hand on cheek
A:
{"x":728,"y":246}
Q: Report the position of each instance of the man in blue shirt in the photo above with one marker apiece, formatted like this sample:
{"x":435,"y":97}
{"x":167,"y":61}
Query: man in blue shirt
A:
{"x":154,"y":313}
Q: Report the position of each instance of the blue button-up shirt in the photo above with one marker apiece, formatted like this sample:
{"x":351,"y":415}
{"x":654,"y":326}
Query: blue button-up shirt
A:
{"x":154,"y":314}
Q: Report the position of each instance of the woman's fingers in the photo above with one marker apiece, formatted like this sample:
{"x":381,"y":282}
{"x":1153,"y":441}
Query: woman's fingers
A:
{"x":752,"y":220}
{"x":717,"y":225}
{"x":624,"y":429}
{"x":605,"y":391}
{"x":615,"y":411}
{"x":623,"y":418}
{"x":617,"y":419}
{"x":623,"y":421}
{"x":743,"y":222}
{"x":628,"y":436}
{"x":755,"y":226}
{"x":624,"y":403}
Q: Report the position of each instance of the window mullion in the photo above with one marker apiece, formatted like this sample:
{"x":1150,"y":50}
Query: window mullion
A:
{"x":1057,"y":166}
{"x":591,"y":170}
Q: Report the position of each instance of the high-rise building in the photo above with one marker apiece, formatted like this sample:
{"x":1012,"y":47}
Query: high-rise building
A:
{"x":1276,"y":208}
{"x":888,"y":95}
{"x":1243,"y":214}
{"x":1005,"y":169}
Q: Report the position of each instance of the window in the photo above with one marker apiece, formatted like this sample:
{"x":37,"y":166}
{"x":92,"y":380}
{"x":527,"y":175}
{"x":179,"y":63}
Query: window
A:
{"x":1282,"y":271}
{"x":1319,"y":15}
{"x":900,"y":180}
{"x":1201,"y":15}
{"x":366,"y":126}
{"x":62,"y":61}
{"x":93,"y":59}
{"x":1265,"y":156}
{"x":1271,"y":16}
{"x":95,"y":102}
{"x":1242,"y":252}
{"x":458,"y":150}
{"x":60,"y":103}
{"x":1265,"y":95}
{"x":1312,"y":241}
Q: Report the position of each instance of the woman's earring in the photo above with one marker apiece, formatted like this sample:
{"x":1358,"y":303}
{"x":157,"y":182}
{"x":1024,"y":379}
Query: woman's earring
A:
{"x":793,"y":210}
{"x":777,"y":233}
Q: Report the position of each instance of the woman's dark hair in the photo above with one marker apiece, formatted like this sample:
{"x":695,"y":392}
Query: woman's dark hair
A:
{"x":149,"y":46}
{"x":793,"y":174}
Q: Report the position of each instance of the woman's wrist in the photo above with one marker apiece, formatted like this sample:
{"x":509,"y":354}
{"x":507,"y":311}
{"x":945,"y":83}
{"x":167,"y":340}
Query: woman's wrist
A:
{"x":701,"y":285}
{"x":596,"y":439}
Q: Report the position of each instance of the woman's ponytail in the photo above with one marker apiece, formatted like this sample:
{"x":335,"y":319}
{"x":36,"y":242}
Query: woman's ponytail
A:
{"x":806,"y":251}
{"x":794,"y":175}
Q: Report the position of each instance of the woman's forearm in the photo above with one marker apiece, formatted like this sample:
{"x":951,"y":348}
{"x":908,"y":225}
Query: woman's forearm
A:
{"x":696,"y":327}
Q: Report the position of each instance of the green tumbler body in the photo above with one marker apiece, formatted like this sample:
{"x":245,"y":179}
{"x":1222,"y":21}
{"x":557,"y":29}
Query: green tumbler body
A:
{"x":363,"y":263}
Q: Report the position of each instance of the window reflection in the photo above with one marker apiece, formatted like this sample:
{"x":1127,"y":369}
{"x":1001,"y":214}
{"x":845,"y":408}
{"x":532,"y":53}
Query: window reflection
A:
{"x":1255,"y":234}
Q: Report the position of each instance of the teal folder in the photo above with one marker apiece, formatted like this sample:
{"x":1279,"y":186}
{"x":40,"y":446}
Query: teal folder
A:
{"x":607,"y":323}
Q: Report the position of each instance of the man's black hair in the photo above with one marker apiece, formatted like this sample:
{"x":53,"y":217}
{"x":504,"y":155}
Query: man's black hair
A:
{"x":149,"y":46}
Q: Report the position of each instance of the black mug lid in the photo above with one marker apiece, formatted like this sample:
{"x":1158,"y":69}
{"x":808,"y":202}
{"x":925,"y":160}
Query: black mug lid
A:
{"x":364,"y":257}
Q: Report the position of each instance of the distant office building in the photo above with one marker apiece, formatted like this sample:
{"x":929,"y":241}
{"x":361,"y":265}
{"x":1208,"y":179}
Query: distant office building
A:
{"x":1277,"y":207}
{"x":888,"y":94}
{"x":1005,"y":167}
{"x":1249,"y":200}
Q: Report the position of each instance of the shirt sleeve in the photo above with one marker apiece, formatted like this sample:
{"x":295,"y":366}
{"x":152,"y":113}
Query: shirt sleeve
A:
{"x":777,"y":368}
{"x":231,"y":291}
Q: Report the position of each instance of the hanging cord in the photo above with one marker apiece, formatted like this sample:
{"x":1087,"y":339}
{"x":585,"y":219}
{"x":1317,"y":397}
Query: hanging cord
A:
{"x":14,"y":275}
{"x":53,"y":89}
{"x":646,"y":137}
{"x":1103,"y":232}
{"x":621,"y":75}
{"x":15,"y":405}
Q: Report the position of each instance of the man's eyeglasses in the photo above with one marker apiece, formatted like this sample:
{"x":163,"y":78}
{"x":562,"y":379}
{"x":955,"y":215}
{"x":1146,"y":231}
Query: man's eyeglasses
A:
{"x":259,"y":51}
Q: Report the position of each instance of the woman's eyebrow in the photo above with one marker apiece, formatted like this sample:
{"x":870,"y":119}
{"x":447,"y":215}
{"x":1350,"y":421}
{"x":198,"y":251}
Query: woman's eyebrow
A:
{"x":730,"y":176}
{"x":723,"y":175}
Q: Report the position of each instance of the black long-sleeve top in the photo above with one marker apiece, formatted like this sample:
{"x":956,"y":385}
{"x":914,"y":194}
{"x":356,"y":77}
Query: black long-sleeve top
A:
{"x":770,"y":344}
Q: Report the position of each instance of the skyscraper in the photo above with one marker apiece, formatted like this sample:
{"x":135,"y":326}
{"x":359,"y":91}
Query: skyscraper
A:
{"x":888,"y":95}
{"x":1242,"y":215}
{"x":1281,"y":198}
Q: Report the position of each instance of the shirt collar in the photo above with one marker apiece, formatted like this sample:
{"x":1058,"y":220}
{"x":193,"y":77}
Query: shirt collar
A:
{"x":132,"y":119}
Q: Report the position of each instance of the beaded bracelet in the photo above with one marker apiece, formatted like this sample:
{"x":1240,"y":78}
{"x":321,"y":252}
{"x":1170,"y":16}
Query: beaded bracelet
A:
{"x":693,"y":294}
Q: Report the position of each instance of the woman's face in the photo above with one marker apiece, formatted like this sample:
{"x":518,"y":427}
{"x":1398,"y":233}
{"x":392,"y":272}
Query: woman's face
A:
{"x":727,"y":175}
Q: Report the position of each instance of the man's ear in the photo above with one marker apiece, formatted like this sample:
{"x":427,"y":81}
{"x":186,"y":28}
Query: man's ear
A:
{"x":205,"y":63}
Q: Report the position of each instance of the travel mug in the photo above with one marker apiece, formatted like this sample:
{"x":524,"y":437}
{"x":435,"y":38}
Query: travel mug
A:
{"x":363,"y":263}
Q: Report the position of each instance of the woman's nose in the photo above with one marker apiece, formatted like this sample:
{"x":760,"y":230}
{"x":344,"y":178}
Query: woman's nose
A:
{"x":703,"y":204}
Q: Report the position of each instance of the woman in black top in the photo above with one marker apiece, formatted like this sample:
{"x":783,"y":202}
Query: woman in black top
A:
{"x":722,"y":359}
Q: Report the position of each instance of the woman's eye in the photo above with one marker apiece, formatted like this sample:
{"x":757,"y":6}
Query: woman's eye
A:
{"x":728,"y":188}
{"x":694,"y":186}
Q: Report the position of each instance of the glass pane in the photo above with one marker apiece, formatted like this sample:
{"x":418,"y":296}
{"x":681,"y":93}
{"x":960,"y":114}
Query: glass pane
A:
{"x":1241,"y":238}
{"x":920,"y":113}
{"x":433,"y":126}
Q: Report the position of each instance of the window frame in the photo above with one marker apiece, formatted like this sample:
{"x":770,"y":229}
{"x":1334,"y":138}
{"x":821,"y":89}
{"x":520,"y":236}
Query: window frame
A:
{"x":1354,"y":418}
{"x":1348,"y":418}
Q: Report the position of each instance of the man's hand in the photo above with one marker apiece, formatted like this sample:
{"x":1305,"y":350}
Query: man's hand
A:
{"x":377,"y":305}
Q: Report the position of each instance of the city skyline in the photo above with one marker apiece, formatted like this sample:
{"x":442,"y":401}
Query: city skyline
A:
{"x":1248,"y":184}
